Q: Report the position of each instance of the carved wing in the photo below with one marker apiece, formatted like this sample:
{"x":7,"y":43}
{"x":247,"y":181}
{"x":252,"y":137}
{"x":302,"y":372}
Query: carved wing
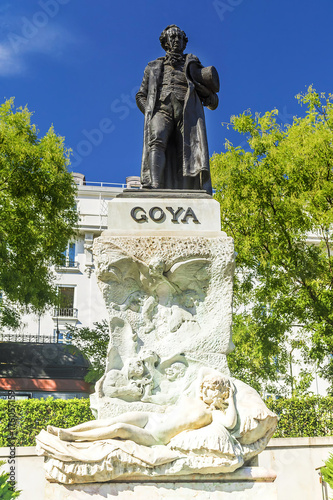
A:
{"x":189,"y":274}
{"x":123,"y":277}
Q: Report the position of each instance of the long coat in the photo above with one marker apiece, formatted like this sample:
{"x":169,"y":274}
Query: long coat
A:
{"x":195,"y":157}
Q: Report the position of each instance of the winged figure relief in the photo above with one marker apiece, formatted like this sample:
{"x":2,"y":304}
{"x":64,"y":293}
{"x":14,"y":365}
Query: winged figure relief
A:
{"x":182,"y":277}
{"x":150,"y":287}
{"x":123,"y":277}
{"x":129,"y":274}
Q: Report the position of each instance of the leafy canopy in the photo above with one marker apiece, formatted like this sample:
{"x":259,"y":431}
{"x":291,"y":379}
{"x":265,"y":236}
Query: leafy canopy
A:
{"x":7,"y":490}
{"x":37,"y":207}
{"x":93,"y":343}
{"x":275,"y":196}
{"x":327,"y":471}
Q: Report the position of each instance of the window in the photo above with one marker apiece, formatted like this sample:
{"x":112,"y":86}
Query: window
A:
{"x":69,"y":256}
{"x":17,"y":395}
{"x":66,"y":302}
{"x":62,"y":336}
{"x":66,"y":296}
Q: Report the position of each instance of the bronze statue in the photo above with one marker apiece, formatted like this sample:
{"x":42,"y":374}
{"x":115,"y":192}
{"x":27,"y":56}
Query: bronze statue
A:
{"x":173,"y":92}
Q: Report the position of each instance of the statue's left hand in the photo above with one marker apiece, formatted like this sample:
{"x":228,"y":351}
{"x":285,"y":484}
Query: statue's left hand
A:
{"x":211,"y":102}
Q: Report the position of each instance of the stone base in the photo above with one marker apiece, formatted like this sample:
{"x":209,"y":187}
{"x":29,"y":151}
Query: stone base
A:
{"x":164,"y":212}
{"x":248,"y":483}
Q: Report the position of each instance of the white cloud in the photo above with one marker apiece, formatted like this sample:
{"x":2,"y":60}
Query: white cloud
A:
{"x":28,"y":39}
{"x":9,"y":64}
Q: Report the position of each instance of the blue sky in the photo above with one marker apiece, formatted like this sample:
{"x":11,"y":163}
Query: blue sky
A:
{"x":78,"y":63}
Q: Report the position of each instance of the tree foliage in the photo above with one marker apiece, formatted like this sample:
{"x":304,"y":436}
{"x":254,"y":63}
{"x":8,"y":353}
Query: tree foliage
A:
{"x":276,"y":198}
{"x":7,"y":491}
{"x":327,"y":471}
{"x":93,"y":343}
{"x":37,"y":206}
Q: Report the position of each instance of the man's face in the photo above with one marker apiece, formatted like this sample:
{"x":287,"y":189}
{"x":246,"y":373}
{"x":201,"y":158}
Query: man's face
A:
{"x":213,"y":395}
{"x":135,"y":369}
{"x":174,"y":371}
{"x":176,"y":42}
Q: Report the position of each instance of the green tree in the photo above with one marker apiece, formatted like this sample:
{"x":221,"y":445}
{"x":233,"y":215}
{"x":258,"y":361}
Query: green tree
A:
{"x":7,"y":490}
{"x":38,"y":214}
{"x":273,"y":197}
{"x":93,"y":343}
{"x":327,"y":471}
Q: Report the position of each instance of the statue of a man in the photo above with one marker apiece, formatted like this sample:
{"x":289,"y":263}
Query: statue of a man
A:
{"x":172,"y":94}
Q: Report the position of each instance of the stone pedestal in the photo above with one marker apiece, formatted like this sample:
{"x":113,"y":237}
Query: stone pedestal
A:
{"x":247,"y":483}
{"x":172,"y":423}
{"x":165,"y":212}
{"x":165,"y":269}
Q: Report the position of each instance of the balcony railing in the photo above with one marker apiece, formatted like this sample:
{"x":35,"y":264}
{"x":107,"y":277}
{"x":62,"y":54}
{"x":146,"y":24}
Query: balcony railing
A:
{"x":67,"y":264}
{"x":104,"y":184}
{"x":65,"y":312}
{"x":56,"y":338}
{"x":29,"y":337}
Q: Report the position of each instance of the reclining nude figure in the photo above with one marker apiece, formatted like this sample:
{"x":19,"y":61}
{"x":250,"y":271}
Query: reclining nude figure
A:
{"x":215,"y":403}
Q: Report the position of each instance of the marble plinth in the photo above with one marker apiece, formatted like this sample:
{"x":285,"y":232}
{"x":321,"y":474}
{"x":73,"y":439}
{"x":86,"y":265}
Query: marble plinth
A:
{"x":168,"y":411}
{"x":146,"y":215}
{"x":165,"y":270}
{"x":248,"y":483}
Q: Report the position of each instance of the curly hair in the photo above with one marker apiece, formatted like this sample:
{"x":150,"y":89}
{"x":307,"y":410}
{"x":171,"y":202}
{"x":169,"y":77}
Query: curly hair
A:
{"x":220,"y":383}
{"x":164,"y":39}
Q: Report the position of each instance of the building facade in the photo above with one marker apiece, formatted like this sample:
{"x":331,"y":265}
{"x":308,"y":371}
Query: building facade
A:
{"x":80,"y":304}
{"x":80,"y":300}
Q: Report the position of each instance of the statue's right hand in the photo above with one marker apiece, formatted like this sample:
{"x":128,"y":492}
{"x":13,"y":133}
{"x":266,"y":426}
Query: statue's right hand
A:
{"x":141,"y":102}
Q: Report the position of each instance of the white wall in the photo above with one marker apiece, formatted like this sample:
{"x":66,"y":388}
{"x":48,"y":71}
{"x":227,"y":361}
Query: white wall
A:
{"x":295,"y":460}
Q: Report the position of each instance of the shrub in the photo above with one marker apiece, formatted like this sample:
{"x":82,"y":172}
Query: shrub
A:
{"x":298,"y":417}
{"x":303,"y":417}
{"x":327,"y":471}
{"x":21,"y":421}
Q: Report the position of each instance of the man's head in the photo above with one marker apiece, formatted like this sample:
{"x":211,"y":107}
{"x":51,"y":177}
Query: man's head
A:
{"x":174,"y":371}
{"x":135,"y":368}
{"x":173,"y":39}
{"x":215,"y":391}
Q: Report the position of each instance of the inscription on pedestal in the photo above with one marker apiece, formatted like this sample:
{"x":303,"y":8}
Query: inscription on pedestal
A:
{"x":164,"y":215}
{"x":158,"y":215}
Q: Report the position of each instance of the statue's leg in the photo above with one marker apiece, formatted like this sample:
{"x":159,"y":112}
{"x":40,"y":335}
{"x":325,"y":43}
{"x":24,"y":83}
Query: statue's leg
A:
{"x":137,"y":418}
{"x":190,"y":183}
{"x":156,"y":167}
{"x":116,"y":431}
{"x":187,"y":182}
{"x":179,"y":132}
{"x":161,"y":127}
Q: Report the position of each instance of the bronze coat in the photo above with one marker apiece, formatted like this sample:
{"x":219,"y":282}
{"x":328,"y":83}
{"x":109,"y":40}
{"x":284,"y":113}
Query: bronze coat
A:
{"x":195,"y":158}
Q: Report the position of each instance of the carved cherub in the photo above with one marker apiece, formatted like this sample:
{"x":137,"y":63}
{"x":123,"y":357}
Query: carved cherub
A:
{"x":127,"y":382}
{"x":175,"y":371}
{"x":169,"y":380}
{"x":153,"y":275}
